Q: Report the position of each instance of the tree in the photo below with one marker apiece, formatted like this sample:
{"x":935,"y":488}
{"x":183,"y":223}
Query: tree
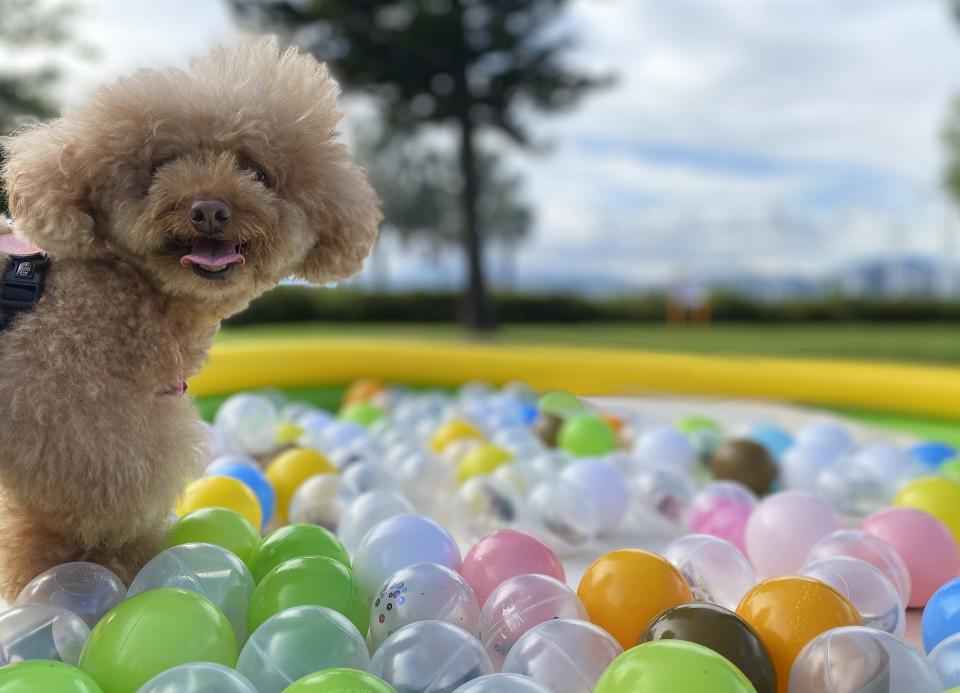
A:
{"x":476,"y":64}
{"x":25,"y":93}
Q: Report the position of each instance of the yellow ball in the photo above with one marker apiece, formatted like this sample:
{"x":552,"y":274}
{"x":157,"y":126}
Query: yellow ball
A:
{"x":288,"y":433}
{"x":221,"y":492}
{"x":290,"y":469}
{"x":452,"y":431}
{"x":483,"y":459}
{"x":937,"y":496}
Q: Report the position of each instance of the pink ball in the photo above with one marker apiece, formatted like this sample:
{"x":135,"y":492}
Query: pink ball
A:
{"x":721,"y":510}
{"x":783,"y":528}
{"x":502,"y":555}
{"x":925,"y":545}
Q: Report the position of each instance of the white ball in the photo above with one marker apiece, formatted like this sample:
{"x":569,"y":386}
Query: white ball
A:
{"x":665,"y":446}
{"x":320,"y":500}
{"x":829,"y":437}
{"x":604,"y":482}
{"x":247,"y":424}
{"x":367,"y":510}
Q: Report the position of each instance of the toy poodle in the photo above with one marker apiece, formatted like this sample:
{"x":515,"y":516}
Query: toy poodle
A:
{"x":164,"y":204}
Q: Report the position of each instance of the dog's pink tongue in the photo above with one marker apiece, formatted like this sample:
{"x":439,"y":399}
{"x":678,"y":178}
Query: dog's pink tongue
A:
{"x":212,"y":253}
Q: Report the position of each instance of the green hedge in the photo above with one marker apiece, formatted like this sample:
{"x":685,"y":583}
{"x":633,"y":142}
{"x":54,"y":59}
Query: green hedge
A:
{"x":302,"y":303}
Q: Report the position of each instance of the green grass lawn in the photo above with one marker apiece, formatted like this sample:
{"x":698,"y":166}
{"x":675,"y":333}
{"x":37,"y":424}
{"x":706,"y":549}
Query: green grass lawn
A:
{"x":930,"y":343}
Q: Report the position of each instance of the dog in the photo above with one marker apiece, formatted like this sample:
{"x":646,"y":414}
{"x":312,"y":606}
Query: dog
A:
{"x":164,"y":203}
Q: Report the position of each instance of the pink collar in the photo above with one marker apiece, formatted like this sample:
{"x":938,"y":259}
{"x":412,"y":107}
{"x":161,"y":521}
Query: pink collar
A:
{"x":12,"y":244}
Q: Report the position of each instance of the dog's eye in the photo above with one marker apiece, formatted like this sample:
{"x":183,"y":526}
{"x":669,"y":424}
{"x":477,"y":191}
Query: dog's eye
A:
{"x":156,"y":166}
{"x":258,"y":174}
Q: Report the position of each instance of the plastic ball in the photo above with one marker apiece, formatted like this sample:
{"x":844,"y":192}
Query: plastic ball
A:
{"x":605,"y":483}
{"x":422,"y":592}
{"x":951,"y":470}
{"x":801,"y":467}
{"x":320,"y":500}
{"x":941,"y":617}
{"x":722,"y":509}
{"x":218,"y":526}
{"x":672,"y":665}
{"x":871,"y":593}
{"x":505,"y":554}
{"x":925,"y":545}
{"x":199,"y":677}
{"x":716,"y":571}
{"x":829,"y":437}
{"x":502,"y":683}
{"x":45,"y":675}
{"x":361,"y":477}
{"x":609,"y":590}
{"x":365,"y":511}
{"x":425,"y":480}
{"x":290,"y":469}
{"x":888,"y":464}
{"x":866,"y":547}
{"x":665,"y":446}
{"x":221,"y":492}
{"x":932,"y":453}
{"x":851,"y":491}
{"x":340,"y":680}
{"x":311,"y":580}
{"x":482,"y":459}
{"x":659,"y":498}
{"x":546,"y":427}
{"x":363,"y":413}
{"x":227,"y":461}
{"x":451,"y":431}
{"x":945,"y":660}
{"x":86,"y":589}
{"x":518,"y":605}
{"x":255,"y":480}
{"x":155,"y":631}
{"x":247,"y":423}
{"x":398,"y":542}
{"x":937,"y":496}
{"x":208,"y":570}
{"x":563,"y":515}
{"x":362,"y":390}
{"x":560,"y":403}
{"x":861,"y":659}
{"x":586,"y":435}
{"x":789,"y":612}
{"x":40,"y":631}
{"x":312,"y":426}
{"x":774,"y":438}
{"x":430,"y":656}
{"x":722,"y":631}
{"x":564,"y":655}
{"x":484,"y":504}
{"x":300,"y":641}
{"x":747,"y":462}
{"x":297,"y":541}
{"x":783,"y":528}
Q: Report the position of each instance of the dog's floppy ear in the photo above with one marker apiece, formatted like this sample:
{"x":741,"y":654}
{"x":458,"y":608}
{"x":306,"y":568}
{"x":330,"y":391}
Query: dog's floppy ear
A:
{"x":345,"y":220}
{"x":47,"y":187}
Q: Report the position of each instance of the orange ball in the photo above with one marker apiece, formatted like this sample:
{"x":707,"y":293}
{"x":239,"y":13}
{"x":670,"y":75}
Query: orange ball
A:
{"x":362,"y":390}
{"x":625,"y":590}
{"x":788,"y":612}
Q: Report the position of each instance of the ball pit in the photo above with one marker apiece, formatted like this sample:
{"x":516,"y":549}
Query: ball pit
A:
{"x":86,"y":589}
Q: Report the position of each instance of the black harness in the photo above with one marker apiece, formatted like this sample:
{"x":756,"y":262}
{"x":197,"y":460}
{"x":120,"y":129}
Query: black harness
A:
{"x":22,"y":285}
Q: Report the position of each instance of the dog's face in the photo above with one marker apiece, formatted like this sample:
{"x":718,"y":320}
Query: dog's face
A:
{"x":216,"y":182}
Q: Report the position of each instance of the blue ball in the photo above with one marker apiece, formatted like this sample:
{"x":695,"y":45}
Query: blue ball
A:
{"x":776,"y":440}
{"x":932,"y":453}
{"x":255,"y":479}
{"x":941,"y":617}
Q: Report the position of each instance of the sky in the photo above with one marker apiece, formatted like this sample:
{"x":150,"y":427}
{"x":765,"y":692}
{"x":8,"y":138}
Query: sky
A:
{"x":741,"y":137}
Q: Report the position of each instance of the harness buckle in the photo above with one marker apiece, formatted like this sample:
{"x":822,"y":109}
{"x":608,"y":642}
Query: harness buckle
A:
{"x":22,"y":283}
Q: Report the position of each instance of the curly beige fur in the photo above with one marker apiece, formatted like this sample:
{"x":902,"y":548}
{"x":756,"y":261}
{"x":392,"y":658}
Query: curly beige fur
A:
{"x":93,"y":448}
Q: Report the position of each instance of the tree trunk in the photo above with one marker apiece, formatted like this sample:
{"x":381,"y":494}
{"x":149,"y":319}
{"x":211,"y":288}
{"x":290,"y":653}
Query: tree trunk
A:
{"x":475,"y":312}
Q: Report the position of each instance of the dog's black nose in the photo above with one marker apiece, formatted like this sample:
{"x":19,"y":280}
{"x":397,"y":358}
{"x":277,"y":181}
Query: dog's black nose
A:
{"x":210,"y":216}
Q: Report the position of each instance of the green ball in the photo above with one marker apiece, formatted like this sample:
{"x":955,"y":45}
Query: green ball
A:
{"x":310,"y":580}
{"x":297,"y":541}
{"x":340,"y":680}
{"x":43,"y":675}
{"x":363,"y":413}
{"x":155,"y":631}
{"x":677,"y":666}
{"x":694,"y":424}
{"x":219,"y":526}
{"x":560,"y":403}
{"x":587,"y":436}
{"x":951,"y":469}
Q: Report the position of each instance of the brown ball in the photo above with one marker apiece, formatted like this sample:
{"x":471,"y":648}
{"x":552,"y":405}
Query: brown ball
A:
{"x":747,"y":462}
{"x":547,"y":427}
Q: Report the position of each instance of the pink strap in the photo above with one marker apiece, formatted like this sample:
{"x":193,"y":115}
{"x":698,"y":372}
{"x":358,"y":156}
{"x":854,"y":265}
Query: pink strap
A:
{"x":12,"y":244}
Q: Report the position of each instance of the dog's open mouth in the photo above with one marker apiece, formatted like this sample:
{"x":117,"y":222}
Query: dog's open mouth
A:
{"x":213,"y":259}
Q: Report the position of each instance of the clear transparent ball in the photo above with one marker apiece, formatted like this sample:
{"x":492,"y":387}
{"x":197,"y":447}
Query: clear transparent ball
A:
{"x":300,"y":641}
{"x":887,"y":463}
{"x":519,"y":604}
{"x":665,"y":446}
{"x":320,"y":500}
{"x":247,"y":424}
{"x":87,"y":589}
{"x":198,"y":677}
{"x":564,"y":655}
{"x":502,"y":683}
{"x":866,"y":547}
{"x":715,"y":569}
{"x":802,"y":466}
{"x":484,"y":504}
{"x":208,"y":570}
{"x":852,"y":491}
{"x":945,"y":660}
{"x":659,"y":497}
{"x":522,"y":476}
{"x":857,"y":658}
{"x":364,"y":476}
{"x":605,"y":483}
{"x":828,"y":436}
{"x":422,"y":592}
{"x":223,"y":461}
{"x":561,"y":514}
{"x":430,"y":656}
{"x":365,"y":511}
{"x":39,"y":631}
{"x":426,"y":481}
{"x":313,"y":424}
{"x":869,"y":590}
